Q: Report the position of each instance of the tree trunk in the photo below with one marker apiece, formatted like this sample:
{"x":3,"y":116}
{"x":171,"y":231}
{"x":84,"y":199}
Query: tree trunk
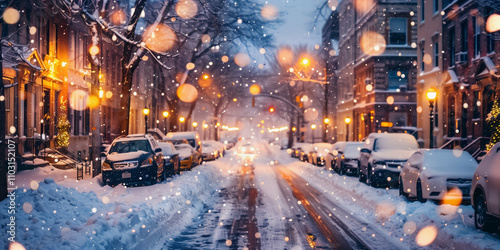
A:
{"x":190,"y":114}
{"x":173,"y":106}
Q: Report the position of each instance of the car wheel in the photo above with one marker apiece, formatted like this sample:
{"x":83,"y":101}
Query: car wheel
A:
{"x":370,"y":180}
{"x":362,"y":177}
{"x":420,"y":197}
{"x":401,"y":189}
{"x":481,"y":219}
{"x":342,"y":169}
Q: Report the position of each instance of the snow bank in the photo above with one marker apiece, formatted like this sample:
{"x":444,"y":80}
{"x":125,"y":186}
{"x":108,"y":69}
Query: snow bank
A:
{"x":62,"y":213}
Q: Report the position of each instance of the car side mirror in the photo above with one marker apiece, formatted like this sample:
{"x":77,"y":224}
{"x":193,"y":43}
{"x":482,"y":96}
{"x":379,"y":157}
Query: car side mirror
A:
{"x":158,"y":150}
{"x":365,"y":150}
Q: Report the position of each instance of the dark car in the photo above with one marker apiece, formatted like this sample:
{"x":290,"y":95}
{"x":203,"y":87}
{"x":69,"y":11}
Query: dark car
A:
{"x":171,"y":158}
{"x":135,"y":159}
{"x":348,"y":158}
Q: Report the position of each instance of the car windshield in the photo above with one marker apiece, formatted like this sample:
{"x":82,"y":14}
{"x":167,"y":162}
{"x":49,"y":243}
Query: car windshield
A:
{"x":352,"y":151}
{"x":129,"y":146}
{"x":395,"y":142}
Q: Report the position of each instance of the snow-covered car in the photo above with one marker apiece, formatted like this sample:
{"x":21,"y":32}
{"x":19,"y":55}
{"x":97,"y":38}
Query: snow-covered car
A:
{"x":187,"y":154}
{"x":304,"y":152}
{"x":438,"y":174}
{"x":133,"y":159}
{"x":217,"y":145}
{"x":170,"y":158}
{"x":246,"y":148}
{"x":295,"y":149}
{"x":319,"y":152}
{"x":331,"y":157}
{"x":209,"y":152}
{"x":383,"y":156}
{"x":485,"y":190}
{"x":192,"y":138}
{"x":347,"y":160}
{"x":157,"y":134}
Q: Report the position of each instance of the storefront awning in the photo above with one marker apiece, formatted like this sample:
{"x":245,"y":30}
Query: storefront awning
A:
{"x":450,"y":77}
{"x":485,"y":68}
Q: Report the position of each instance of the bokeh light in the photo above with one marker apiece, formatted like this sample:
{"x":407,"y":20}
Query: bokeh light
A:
{"x":186,"y":9}
{"x":310,"y":114}
{"x":225,"y":59}
{"x":11,"y":15}
{"x":161,"y":39}
{"x":269,"y":12}
{"x":285,"y":57}
{"x":118,"y":17}
{"x":27,"y":207}
{"x":16,"y":246}
{"x":109,"y":94}
{"x":493,"y":23}
{"x":255,"y":89}
{"x":93,"y":101}
{"x":205,"y":38}
{"x":426,"y":236}
{"x":363,"y":6}
{"x":78,"y":100}
{"x":242,"y":59}
{"x":333,"y":4}
{"x":94,"y":50}
{"x":32,"y":30}
{"x":187,"y":93}
{"x":390,"y":100}
{"x":205,"y":81}
{"x":372,"y":43}
{"x":369,"y":87}
{"x":427,"y":59}
{"x":190,"y":66}
{"x":409,"y":227}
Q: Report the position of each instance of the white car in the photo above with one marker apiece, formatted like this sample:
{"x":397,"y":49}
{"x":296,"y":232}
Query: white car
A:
{"x":319,"y":152}
{"x":209,"y":152}
{"x":438,"y":174}
{"x":382,"y":157}
{"x":304,"y":152}
{"x":331,"y":157}
{"x":485,"y":191}
{"x":219,"y":146}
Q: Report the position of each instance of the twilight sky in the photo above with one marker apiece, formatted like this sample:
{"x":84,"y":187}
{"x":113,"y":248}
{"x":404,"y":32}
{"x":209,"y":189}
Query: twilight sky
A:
{"x":298,"y":16}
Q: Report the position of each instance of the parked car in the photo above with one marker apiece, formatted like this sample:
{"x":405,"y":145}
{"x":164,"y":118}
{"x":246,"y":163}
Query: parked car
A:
{"x":219,"y":146}
{"x":209,"y":151}
{"x":157,"y":134}
{"x":485,"y":190}
{"x":347,"y":160}
{"x":132,"y":160}
{"x":304,"y":152}
{"x":192,"y":138}
{"x":382,"y":157}
{"x":432,"y":173}
{"x":319,"y":152}
{"x":331,"y":157}
{"x":295,"y":149}
{"x":171,"y":158}
{"x":188,"y":157}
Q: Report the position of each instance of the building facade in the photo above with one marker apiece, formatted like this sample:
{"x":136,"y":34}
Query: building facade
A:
{"x":470,"y":70}
{"x":377,"y":67}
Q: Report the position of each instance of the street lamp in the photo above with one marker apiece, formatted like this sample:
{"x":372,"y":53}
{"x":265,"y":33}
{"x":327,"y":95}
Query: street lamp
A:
{"x":431,"y":96}
{"x":313,"y":126}
{"x":205,"y":126}
{"x":182,"y":120}
{"x":165,"y":115}
{"x":347,"y":120}
{"x":145,"y":111}
{"x":195,"y":124}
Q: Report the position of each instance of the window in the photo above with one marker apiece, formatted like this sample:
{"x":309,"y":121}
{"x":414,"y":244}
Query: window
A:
{"x":477,"y":37}
{"x":463,"y":37}
{"x":422,"y":54}
{"x":397,"y":78}
{"x":452,"y":46}
{"x":476,"y":114}
{"x":436,"y":55}
{"x":397,"y":31}
{"x":422,"y":10}
{"x":435,"y":6}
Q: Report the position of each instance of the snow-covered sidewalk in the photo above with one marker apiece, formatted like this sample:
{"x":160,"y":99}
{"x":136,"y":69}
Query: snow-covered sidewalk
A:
{"x":413,"y":223}
{"x":54,"y":211}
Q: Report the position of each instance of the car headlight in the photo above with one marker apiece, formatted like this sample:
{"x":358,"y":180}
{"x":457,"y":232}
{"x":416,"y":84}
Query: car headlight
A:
{"x":106,"y":166}
{"x":147,"y":162}
{"x":166,"y":157}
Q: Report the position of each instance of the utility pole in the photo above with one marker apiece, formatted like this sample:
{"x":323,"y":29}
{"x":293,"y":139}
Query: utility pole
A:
{"x":325,"y":109}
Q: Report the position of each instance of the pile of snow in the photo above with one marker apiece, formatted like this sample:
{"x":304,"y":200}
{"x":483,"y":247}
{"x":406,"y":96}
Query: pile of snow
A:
{"x":55,"y":211}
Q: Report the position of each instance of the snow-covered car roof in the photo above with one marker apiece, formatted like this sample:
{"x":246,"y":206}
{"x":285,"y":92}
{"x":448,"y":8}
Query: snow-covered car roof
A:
{"x":167,"y":148}
{"x":322,"y":145}
{"x":182,"y":135}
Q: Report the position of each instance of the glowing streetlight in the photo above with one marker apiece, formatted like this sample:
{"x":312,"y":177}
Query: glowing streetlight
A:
{"x":431,"y":96}
{"x":205,"y":125}
{"x":305,"y":61}
{"x":347,"y":120}
{"x":313,"y":126}
{"x":165,"y":115}
{"x":195,"y":124}
{"x":145,"y":111}
{"x":94,"y":50}
{"x":326,"y":120}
